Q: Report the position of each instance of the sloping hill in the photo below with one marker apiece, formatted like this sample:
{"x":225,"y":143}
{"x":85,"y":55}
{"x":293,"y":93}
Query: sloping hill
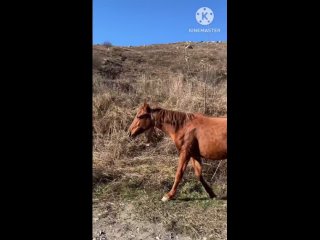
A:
{"x":159,"y":61}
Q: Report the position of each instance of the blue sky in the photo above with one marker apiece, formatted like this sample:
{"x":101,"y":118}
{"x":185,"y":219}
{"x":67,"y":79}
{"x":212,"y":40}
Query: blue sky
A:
{"x":140,"y":22}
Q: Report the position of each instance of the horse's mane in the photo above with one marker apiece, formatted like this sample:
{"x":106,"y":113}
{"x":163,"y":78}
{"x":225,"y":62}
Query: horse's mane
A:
{"x":175,"y":118}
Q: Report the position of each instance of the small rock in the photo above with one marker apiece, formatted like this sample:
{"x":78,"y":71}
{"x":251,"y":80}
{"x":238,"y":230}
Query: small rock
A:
{"x":102,"y":215}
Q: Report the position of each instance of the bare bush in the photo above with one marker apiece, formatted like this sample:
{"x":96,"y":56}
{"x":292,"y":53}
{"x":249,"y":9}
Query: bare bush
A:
{"x":107,"y":44}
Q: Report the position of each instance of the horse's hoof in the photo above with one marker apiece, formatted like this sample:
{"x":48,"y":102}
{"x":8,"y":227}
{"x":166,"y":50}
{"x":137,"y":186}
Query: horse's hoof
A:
{"x":222,"y":198}
{"x":165,"y":198}
{"x":213,"y":196}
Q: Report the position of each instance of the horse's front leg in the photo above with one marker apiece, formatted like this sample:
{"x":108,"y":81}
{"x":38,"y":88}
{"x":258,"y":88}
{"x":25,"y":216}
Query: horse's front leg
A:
{"x":182,"y":164}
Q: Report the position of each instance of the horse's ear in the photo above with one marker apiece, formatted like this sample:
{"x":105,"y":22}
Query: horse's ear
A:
{"x":145,"y":104}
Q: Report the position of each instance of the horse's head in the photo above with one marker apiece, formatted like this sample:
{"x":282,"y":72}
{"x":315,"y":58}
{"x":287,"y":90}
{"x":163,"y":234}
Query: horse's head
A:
{"x":142,"y":121}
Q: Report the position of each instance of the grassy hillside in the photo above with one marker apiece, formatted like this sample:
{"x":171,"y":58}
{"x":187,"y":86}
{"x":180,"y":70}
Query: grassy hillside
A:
{"x":189,"y":77}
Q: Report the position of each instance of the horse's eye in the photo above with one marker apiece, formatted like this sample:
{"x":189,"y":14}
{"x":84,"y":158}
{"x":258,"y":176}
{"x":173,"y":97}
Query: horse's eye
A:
{"x":143,"y":116}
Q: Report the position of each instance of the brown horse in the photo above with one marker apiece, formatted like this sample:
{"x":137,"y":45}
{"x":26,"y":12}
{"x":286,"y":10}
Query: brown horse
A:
{"x":196,"y":136}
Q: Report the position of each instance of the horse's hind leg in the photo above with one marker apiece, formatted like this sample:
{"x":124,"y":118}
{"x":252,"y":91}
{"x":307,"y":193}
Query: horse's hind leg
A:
{"x":198,"y":172}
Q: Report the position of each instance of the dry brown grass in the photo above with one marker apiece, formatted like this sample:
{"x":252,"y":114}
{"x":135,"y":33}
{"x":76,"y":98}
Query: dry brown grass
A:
{"x":125,"y":169}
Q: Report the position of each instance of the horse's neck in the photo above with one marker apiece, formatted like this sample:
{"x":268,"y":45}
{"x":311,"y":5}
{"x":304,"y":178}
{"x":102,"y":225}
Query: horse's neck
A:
{"x":168,"y":129}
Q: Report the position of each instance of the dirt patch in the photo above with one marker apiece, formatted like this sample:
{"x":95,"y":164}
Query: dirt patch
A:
{"x":130,"y":206}
{"x":119,"y":221}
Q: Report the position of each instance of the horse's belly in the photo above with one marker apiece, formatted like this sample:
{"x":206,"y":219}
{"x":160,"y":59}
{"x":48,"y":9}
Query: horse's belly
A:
{"x":214,"y":155}
{"x":215,"y":149}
